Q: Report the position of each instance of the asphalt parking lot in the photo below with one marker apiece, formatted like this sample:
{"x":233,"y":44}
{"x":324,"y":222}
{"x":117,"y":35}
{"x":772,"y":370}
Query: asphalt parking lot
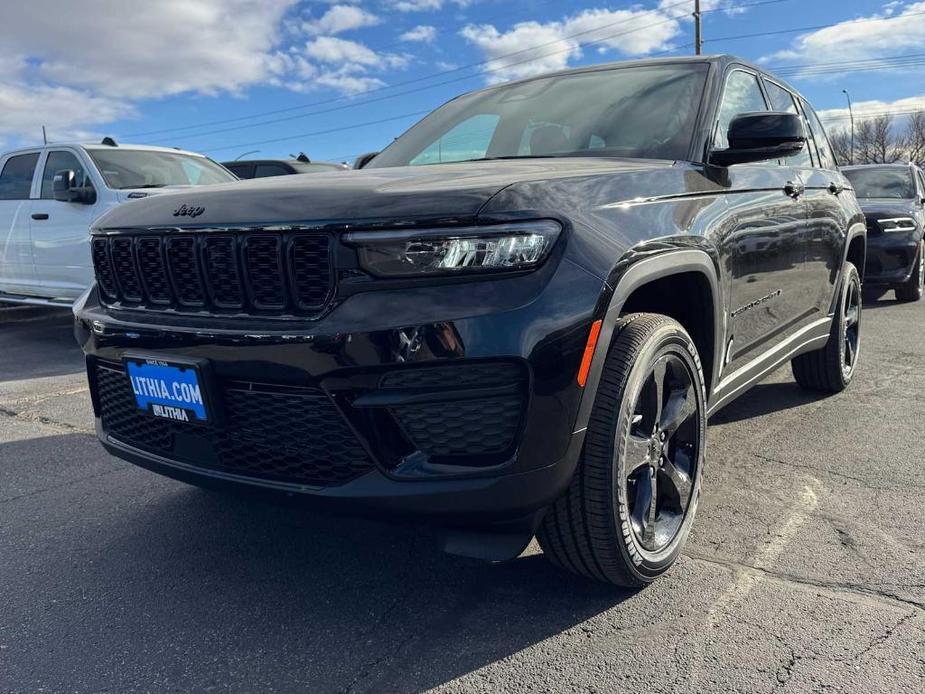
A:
{"x":805,"y":571}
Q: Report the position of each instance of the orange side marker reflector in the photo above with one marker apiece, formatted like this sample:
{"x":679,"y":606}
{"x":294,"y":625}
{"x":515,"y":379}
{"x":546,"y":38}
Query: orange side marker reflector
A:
{"x":589,"y":352}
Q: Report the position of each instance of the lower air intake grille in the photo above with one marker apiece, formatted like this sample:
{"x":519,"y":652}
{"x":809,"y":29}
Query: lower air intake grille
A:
{"x":462,"y":427}
{"x":286,"y":434}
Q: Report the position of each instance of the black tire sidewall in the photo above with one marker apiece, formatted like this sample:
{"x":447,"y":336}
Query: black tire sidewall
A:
{"x":851,"y":277}
{"x":668,"y":338}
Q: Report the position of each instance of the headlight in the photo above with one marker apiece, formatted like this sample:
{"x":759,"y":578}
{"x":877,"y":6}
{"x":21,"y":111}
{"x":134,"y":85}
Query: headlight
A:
{"x":897,"y":224}
{"x":463,"y":250}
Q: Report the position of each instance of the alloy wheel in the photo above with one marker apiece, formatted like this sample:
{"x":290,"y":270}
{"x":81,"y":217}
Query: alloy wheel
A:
{"x":661,"y":452}
{"x":852,"y":320}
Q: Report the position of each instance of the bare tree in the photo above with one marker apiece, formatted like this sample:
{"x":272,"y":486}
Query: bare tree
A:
{"x":841,"y":146}
{"x":914,"y":139}
{"x":875,"y":141}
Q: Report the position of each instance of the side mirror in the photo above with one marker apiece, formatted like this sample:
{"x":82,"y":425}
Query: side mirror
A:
{"x":66,"y":189}
{"x":760,"y":137}
{"x":364,"y":159}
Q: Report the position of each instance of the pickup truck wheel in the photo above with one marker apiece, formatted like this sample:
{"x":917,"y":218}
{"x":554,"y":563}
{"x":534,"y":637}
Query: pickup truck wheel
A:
{"x":629,"y":507}
{"x":911,"y":289}
{"x":831,"y":368}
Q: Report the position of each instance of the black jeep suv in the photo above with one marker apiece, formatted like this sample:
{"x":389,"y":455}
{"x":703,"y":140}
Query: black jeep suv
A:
{"x":515,"y":320}
{"x":892,"y":197}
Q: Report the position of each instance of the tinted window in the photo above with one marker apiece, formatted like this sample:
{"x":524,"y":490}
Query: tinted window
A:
{"x":267,"y":170}
{"x":874,"y":182}
{"x":239,"y":170}
{"x":57,"y":161}
{"x":128,"y":168}
{"x":645,"y":111}
{"x":921,"y":178}
{"x":782,"y":100}
{"x":822,"y":140}
{"x":16,"y":177}
{"x":742,"y":95}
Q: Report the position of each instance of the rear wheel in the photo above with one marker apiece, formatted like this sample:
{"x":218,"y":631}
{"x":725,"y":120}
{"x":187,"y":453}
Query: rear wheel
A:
{"x":629,"y":508}
{"x":911,"y":289}
{"x":831,"y":368}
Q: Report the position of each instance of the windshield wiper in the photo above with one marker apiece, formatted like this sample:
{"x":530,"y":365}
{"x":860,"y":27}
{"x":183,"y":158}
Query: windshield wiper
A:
{"x":146,"y":185}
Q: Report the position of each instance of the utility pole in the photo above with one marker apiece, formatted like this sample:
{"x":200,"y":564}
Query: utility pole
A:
{"x":698,"y":39}
{"x":851,"y":116}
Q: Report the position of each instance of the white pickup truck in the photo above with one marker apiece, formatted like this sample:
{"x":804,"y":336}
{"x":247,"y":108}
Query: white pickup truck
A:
{"x":50,"y":195}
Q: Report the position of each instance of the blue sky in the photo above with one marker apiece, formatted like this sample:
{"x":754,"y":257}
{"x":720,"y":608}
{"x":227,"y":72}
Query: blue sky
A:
{"x":335,"y":78}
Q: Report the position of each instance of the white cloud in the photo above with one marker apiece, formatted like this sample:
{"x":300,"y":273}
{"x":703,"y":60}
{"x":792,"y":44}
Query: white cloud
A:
{"x":839,"y":118}
{"x":875,"y":36}
{"x":329,"y":49}
{"x":415,"y":5}
{"x":341,"y":18}
{"x":59,"y":109}
{"x":532,"y":48}
{"x":421,"y":33}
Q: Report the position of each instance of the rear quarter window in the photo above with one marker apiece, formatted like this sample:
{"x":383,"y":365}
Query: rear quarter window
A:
{"x":16,"y":176}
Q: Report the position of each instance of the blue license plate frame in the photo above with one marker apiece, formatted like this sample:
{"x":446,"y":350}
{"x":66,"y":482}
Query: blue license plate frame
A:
{"x":169,"y":389}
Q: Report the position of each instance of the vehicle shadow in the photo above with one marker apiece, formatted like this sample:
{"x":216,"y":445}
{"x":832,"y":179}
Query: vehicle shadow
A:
{"x":763,"y":399}
{"x":37,"y":342}
{"x":228,"y":590}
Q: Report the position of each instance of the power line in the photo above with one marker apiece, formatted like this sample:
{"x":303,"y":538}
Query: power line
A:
{"x":507,"y":65}
{"x":417,"y":80}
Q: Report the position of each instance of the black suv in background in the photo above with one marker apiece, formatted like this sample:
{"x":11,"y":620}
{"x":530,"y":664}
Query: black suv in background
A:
{"x":893,"y":199}
{"x":266,"y":168}
{"x":514,"y":321}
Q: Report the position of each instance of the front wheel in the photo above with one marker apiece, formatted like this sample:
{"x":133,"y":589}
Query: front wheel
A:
{"x":911,"y":289}
{"x":831,"y":368}
{"x":630,"y":505}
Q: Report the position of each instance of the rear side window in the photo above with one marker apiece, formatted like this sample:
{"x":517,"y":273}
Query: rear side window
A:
{"x":268,"y":170}
{"x":822,"y":141}
{"x":16,"y":177}
{"x":783,"y":101}
{"x":239,"y":170}
{"x":58,"y":161}
{"x":742,"y":95}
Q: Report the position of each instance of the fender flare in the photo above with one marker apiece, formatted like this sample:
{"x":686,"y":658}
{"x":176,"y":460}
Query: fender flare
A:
{"x":642,"y":272}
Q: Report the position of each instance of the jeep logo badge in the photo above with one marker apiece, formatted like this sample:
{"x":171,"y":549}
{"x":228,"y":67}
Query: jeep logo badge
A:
{"x":187,"y":211}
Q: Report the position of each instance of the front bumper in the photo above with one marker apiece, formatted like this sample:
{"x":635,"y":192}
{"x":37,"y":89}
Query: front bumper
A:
{"x":890,"y":258}
{"x":467,"y":415}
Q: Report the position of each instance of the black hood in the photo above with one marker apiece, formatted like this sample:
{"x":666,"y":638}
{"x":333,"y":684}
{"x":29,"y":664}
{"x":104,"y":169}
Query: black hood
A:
{"x":449,"y":193}
{"x":883,"y":208}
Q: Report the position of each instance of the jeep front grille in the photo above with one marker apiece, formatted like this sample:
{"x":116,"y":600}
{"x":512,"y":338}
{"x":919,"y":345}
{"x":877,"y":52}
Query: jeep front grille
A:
{"x":253,"y":272}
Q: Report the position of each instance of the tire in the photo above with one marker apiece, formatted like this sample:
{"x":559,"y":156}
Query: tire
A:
{"x":911,"y":289}
{"x":831,"y":368}
{"x":603,"y":527}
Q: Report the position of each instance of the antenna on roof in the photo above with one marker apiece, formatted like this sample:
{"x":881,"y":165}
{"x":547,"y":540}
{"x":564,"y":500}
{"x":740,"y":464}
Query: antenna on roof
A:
{"x":109,"y":142}
{"x":44,"y":136}
{"x":303,"y":158}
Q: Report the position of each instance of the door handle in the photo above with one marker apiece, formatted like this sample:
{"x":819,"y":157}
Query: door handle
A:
{"x":794,"y":190}
{"x":39,"y":216}
{"x":835,"y":189}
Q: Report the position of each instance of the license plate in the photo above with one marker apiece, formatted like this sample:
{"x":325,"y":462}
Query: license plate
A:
{"x":168,"y":390}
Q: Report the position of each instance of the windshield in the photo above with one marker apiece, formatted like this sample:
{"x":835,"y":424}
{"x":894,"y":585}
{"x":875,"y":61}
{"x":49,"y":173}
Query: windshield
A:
{"x":645,"y":112}
{"x":136,"y":168}
{"x":884,"y":182}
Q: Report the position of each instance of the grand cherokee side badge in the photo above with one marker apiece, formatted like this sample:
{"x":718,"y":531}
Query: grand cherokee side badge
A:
{"x":187,"y":211}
